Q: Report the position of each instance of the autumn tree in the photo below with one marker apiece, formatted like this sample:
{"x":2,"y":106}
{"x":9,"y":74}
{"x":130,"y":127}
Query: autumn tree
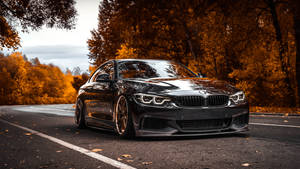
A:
{"x":248,"y":43}
{"x":25,"y":82}
{"x":105,"y":39}
{"x":32,"y":15}
{"x":79,"y":80}
{"x":295,"y":7}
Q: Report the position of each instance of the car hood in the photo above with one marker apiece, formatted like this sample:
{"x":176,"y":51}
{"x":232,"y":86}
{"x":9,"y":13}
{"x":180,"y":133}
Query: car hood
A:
{"x":183,"y":86}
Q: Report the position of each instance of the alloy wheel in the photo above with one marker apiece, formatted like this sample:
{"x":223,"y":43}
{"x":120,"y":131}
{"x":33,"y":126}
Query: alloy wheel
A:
{"x":79,"y":115}
{"x":121,"y":115}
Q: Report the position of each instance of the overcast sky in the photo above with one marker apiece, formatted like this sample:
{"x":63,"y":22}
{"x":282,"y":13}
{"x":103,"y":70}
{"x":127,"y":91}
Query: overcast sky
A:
{"x":66,"y":49}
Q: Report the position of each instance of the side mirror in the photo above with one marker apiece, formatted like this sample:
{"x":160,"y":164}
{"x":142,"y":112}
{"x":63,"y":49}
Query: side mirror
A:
{"x":201,"y":75}
{"x":103,"y":78}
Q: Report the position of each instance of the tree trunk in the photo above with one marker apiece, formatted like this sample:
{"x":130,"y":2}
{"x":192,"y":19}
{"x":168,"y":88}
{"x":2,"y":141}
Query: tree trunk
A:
{"x":282,"y":50}
{"x":188,"y":38}
{"x":296,"y":5}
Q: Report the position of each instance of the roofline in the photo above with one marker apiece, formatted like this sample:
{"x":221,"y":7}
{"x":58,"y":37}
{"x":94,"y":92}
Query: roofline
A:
{"x":118,"y":60}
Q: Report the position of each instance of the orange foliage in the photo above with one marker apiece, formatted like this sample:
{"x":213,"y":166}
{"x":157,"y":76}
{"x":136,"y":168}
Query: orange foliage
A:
{"x":23,"y":82}
{"x":125,"y":52}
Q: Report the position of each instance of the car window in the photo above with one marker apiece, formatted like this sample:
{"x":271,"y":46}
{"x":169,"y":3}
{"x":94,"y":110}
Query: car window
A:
{"x":103,"y":71}
{"x":153,"y":69}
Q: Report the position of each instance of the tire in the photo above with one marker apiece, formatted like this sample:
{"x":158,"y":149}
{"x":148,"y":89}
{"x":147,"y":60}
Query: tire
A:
{"x":123,"y":119}
{"x":80,"y":115}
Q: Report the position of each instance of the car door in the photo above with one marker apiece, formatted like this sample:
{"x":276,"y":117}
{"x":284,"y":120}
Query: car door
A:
{"x":101,"y":95}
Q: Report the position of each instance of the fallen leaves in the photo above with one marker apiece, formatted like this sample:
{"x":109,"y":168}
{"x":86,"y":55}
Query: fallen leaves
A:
{"x":146,"y":163}
{"x":28,"y":134}
{"x":245,"y":164}
{"x":97,"y":150}
{"x":126,"y":156}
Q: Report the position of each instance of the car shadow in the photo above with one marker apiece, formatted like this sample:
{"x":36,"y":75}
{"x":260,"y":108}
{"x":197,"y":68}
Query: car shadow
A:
{"x":110,"y":135}
{"x":203,"y":137}
{"x":70,"y":130}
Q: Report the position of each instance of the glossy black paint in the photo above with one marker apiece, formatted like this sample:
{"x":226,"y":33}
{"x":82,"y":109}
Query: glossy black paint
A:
{"x":100,"y":95}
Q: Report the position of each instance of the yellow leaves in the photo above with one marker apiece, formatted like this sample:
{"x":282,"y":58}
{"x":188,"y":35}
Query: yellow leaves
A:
{"x":146,"y":163}
{"x":126,"y":156}
{"x":28,"y":134}
{"x":171,"y":12}
{"x":33,"y":83}
{"x":9,"y":37}
{"x":125,"y":52}
{"x":245,"y":164}
{"x":92,"y":69}
{"x":97,"y":150}
{"x":285,"y":110}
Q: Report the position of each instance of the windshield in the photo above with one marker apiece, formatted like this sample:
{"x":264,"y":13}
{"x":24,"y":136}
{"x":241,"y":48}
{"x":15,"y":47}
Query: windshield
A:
{"x":153,"y":69}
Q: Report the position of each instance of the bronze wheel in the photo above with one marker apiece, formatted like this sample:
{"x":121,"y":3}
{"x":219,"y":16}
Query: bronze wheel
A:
{"x":123,"y":119}
{"x":80,"y":115}
{"x":121,"y":115}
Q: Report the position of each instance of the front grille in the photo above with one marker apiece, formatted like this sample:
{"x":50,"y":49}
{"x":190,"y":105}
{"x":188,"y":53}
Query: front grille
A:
{"x":217,"y":100}
{"x":213,"y":100}
{"x":190,"y":100}
{"x":210,"y":124}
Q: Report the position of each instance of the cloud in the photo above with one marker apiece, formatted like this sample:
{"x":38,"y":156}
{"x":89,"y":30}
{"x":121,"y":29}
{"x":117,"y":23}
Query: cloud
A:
{"x":60,"y":51}
{"x":64,"y":48}
{"x":64,"y":56}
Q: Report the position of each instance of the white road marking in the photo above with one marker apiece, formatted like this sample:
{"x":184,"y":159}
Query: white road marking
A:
{"x":74,"y":147}
{"x":275,"y":125}
{"x":46,"y":110}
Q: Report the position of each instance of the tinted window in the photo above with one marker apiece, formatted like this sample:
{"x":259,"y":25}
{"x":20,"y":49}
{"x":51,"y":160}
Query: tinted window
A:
{"x":105,"y":69}
{"x":153,"y":69}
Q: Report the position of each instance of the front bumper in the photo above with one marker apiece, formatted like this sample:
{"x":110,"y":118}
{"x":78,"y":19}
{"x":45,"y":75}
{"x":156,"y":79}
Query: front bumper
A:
{"x":189,"y":121}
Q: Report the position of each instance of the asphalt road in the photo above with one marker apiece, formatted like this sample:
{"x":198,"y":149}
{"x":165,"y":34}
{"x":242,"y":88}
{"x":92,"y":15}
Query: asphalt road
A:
{"x":45,"y":137}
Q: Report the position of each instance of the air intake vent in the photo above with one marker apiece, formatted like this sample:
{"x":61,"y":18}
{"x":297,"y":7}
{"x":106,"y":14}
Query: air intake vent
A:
{"x":208,"y":124}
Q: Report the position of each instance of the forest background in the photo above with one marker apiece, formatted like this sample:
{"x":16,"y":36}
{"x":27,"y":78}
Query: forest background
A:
{"x":254,"y":45}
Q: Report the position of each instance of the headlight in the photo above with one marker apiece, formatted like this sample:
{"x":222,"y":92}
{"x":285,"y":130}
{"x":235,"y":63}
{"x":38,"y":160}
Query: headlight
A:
{"x":151,"y":99}
{"x":237,"y":97}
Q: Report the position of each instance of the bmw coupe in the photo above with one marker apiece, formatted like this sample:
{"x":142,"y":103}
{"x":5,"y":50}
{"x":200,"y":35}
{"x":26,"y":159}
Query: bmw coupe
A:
{"x":136,"y":97}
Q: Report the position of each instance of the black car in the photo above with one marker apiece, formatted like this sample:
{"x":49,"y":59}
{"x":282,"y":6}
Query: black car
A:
{"x":136,"y":97}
